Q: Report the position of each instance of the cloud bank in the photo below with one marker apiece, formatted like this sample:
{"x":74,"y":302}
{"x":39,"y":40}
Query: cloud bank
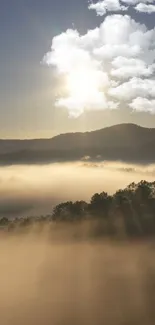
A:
{"x":110,"y":65}
{"x":31,"y":190}
{"x":103,"y":7}
{"x":142,"y":7}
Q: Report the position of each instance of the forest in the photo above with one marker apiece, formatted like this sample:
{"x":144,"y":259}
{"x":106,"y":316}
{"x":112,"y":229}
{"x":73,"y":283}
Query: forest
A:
{"x":129,"y":211}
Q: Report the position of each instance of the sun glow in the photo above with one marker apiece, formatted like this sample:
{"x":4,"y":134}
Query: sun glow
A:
{"x":82,"y":84}
{"x":85,"y":89}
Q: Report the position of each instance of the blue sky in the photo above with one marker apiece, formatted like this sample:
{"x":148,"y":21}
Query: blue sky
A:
{"x":27,"y":109}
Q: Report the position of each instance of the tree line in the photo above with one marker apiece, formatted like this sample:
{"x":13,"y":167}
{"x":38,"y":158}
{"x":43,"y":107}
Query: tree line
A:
{"x":129,"y":211}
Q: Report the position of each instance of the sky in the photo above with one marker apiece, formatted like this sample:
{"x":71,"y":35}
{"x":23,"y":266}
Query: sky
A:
{"x":34,"y":79}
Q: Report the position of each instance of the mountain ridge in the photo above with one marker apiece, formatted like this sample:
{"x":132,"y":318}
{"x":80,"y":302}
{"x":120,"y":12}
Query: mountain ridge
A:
{"x":79,"y":132}
{"x":126,"y":141}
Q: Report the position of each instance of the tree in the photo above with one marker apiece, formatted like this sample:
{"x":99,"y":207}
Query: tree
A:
{"x":99,"y":208}
{"x":79,"y":209}
{"x":69,"y":211}
{"x":4,"y":221}
{"x":125,"y":211}
{"x":100,"y":204}
{"x":143,"y":202}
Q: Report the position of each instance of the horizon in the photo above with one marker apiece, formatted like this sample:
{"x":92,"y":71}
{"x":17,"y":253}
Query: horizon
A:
{"x":81,"y":132}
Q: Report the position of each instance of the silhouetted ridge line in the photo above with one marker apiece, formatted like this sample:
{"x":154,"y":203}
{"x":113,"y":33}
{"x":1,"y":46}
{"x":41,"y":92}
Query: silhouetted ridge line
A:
{"x":125,"y":142}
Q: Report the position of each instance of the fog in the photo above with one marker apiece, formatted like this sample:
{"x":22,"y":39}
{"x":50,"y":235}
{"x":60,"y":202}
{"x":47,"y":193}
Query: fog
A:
{"x":60,"y":275}
{"x":34,"y":190}
{"x":44,"y":281}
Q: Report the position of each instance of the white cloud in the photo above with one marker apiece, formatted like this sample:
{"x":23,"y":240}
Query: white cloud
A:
{"x":109,"y":64}
{"x":110,"y":51}
{"x":135,"y":2}
{"x":141,"y":104}
{"x":76,"y":106}
{"x":135,"y":87}
{"x":102,"y":7}
{"x":124,"y":68}
{"x":142,"y":7}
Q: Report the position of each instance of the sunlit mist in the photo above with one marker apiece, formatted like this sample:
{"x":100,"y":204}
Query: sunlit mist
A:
{"x":44,"y":282}
{"x":34,"y":189}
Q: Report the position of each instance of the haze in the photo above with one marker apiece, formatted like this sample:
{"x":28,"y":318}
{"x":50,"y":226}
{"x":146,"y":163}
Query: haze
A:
{"x":35,"y":189}
{"x":44,"y":282}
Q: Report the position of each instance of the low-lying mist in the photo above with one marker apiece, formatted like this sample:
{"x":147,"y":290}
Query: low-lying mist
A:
{"x":61,"y":274}
{"x":44,"y":281}
{"x":33,"y":190}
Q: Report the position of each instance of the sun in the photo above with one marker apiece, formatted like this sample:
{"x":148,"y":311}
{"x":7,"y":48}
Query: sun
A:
{"x":82,"y":84}
{"x":85,"y":89}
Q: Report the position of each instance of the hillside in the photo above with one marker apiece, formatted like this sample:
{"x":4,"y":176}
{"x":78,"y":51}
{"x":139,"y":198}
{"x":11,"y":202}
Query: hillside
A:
{"x":127,"y":142}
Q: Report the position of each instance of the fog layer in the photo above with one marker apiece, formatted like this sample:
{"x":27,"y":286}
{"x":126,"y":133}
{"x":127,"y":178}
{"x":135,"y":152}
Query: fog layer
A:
{"x":44,"y":282}
{"x":34,"y":190}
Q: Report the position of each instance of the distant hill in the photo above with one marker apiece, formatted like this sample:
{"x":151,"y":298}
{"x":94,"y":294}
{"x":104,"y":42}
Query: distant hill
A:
{"x":126,"y":142}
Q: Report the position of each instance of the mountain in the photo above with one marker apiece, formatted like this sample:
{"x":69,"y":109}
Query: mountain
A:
{"x":126,"y":142}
